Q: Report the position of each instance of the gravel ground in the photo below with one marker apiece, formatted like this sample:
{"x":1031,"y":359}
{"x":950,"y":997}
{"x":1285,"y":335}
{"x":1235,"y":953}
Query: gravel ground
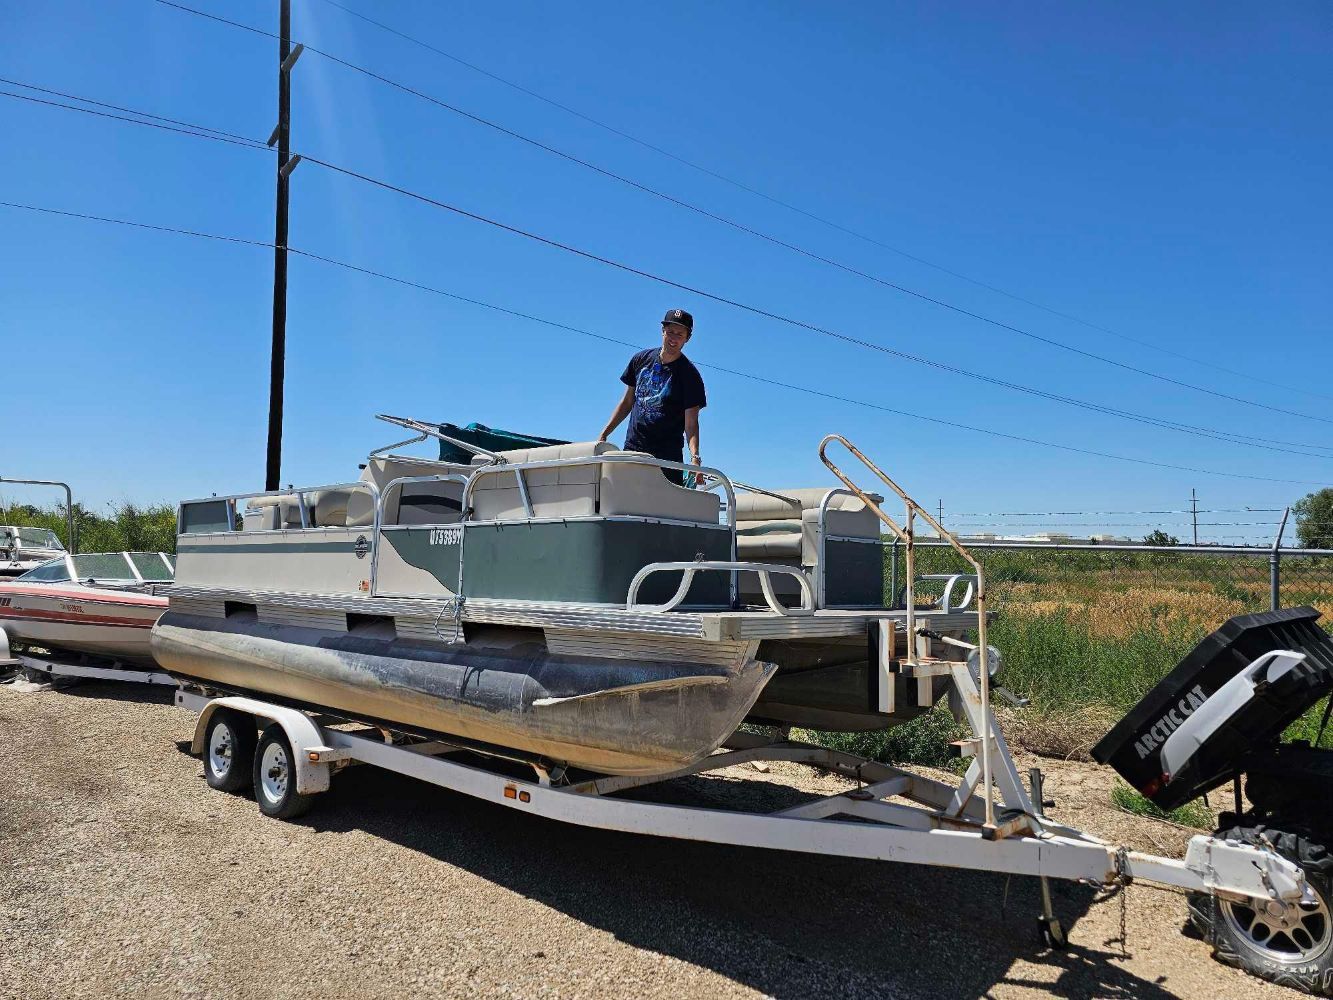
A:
{"x":123,"y":874}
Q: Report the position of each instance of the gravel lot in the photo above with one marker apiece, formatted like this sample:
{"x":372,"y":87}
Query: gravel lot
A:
{"x":123,"y":874}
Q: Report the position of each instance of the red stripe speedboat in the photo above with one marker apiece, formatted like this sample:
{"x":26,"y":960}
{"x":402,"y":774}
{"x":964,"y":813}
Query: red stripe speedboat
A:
{"x":99,"y":603}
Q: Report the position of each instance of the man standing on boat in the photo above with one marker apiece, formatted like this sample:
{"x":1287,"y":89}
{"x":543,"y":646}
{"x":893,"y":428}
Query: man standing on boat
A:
{"x":664,"y":393}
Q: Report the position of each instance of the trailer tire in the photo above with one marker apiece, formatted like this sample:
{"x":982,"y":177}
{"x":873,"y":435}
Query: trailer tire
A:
{"x":1298,"y":955}
{"x":275,"y":777}
{"x":229,"y":750}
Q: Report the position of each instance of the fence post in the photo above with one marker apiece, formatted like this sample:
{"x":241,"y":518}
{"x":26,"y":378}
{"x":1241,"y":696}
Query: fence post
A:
{"x":1275,"y":566}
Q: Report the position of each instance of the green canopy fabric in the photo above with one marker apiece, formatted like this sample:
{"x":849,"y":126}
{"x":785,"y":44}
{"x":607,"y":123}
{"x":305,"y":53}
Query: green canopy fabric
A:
{"x":490,"y":438}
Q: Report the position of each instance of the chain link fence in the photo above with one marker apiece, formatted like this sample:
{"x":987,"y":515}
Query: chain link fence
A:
{"x":1254,"y":579}
{"x":1086,"y":630}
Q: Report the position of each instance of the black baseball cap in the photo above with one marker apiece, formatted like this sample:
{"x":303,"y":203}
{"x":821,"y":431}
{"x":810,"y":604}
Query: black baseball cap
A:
{"x":681,"y":317}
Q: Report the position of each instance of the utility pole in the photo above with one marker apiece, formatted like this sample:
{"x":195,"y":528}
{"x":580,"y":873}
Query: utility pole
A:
{"x":1194,"y":514}
{"x":941,"y":510}
{"x":282,"y":135}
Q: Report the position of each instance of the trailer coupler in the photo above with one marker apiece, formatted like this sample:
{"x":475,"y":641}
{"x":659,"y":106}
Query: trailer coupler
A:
{"x":1237,"y":872}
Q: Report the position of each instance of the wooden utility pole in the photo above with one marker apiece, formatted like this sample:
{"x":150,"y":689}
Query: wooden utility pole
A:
{"x":282,"y":135}
{"x":1194,"y":514}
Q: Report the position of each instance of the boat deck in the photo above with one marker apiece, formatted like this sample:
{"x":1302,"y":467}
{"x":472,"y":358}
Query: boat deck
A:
{"x":747,"y":625}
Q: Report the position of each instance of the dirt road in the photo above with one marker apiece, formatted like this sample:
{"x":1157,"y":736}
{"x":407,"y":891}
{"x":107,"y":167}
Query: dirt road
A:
{"x":123,"y":874}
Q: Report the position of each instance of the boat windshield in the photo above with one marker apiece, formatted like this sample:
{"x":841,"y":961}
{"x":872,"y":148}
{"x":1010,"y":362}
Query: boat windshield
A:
{"x":54,"y":571}
{"x":38,"y":538}
{"x":104,"y":566}
{"x":152,"y":566}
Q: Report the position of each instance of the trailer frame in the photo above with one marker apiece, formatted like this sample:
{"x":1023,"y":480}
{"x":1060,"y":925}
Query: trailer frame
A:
{"x":922,"y":827}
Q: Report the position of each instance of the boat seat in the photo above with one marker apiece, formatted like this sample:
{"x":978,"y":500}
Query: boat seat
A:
{"x":276,"y":512}
{"x":414,"y":503}
{"x":565,"y":491}
{"x":587,"y":489}
{"x":786,"y":531}
{"x":642,"y":490}
{"x":331,"y":508}
{"x":769,"y":541}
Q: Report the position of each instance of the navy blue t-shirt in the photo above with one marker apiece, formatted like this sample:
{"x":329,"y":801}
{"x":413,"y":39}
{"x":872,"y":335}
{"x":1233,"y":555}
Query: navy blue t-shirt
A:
{"x":662,"y":394}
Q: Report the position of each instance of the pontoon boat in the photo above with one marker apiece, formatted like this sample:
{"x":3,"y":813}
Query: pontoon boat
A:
{"x":565,"y":601}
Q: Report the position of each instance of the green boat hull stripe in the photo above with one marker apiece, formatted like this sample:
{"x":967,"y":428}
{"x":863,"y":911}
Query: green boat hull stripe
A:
{"x":304,"y":548}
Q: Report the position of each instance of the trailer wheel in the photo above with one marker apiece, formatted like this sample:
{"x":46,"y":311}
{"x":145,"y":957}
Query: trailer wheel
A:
{"x":1291,"y":949}
{"x":229,"y":750}
{"x":275,"y":777}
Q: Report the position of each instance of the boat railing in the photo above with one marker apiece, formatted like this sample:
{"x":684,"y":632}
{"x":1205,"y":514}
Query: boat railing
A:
{"x":688,"y":570}
{"x":382,"y":503}
{"x":905,"y":534}
{"x":298,"y":492}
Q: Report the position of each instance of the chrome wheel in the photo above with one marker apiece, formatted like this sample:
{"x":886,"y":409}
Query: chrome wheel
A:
{"x":1286,"y":935}
{"x":274,"y":772}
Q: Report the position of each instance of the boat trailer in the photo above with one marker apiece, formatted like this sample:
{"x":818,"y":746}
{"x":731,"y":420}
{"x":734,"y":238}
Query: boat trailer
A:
{"x":289,"y":754}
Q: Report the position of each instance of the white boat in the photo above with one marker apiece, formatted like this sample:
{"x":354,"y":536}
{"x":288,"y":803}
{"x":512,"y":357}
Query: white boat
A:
{"x":23,"y":548}
{"x":101,"y":604}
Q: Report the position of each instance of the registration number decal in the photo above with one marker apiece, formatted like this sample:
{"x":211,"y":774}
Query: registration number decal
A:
{"x":451,"y":535}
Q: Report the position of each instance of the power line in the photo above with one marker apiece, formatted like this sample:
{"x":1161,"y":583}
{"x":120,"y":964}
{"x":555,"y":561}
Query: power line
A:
{"x":1118,"y":513}
{"x":740,"y":227}
{"x":612,"y":340}
{"x":793,"y":208}
{"x":1209,"y":433}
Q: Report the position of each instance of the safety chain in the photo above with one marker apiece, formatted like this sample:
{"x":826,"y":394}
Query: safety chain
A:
{"x":1123,"y":879}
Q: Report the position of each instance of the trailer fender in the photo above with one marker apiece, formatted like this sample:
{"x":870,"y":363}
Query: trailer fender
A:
{"x":7,"y":658}
{"x":305,"y":737}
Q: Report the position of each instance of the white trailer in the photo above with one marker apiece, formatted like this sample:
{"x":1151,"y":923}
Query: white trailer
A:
{"x":288,"y":755}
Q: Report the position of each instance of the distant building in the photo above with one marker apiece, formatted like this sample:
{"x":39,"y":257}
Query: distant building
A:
{"x":1045,"y":537}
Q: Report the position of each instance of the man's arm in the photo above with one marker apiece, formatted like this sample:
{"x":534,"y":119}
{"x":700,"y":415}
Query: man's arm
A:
{"x":622,"y":411}
{"x":692,"y":433}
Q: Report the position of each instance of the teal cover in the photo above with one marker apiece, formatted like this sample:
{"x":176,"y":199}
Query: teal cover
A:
{"x":490,"y":438}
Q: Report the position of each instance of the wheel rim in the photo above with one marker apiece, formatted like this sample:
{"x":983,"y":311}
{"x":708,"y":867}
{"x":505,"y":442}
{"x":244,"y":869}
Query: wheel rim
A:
{"x":274,"y":772}
{"x":221,"y":746}
{"x":1291,"y":935}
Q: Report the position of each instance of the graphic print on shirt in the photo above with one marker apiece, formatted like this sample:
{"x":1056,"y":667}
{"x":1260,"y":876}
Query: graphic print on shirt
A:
{"x":652,"y":386}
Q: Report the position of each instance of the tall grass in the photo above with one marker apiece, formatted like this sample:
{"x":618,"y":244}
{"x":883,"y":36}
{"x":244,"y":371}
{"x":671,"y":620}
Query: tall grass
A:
{"x":124,"y":528}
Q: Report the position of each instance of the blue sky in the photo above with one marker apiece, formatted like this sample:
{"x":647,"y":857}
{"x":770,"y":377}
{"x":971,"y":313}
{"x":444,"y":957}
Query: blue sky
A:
{"x":1157,"y":170}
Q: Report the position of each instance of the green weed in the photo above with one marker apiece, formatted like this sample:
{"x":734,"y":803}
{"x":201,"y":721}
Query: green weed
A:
{"x":1192,"y":814}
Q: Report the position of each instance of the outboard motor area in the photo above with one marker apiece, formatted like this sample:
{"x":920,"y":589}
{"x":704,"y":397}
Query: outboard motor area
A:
{"x":1230,"y":699}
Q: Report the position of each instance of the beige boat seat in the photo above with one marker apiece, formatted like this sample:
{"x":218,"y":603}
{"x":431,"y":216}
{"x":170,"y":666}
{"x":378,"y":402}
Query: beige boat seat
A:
{"x":768,"y":541}
{"x":412,"y":503}
{"x":629,"y":488}
{"x":275,"y":512}
{"x":587,"y":488}
{"x":786,"y":531}
{"x":565,"y":491}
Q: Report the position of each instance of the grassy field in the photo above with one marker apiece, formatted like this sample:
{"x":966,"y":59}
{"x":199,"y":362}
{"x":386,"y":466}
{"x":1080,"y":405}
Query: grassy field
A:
{"x":1086,"y":634}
